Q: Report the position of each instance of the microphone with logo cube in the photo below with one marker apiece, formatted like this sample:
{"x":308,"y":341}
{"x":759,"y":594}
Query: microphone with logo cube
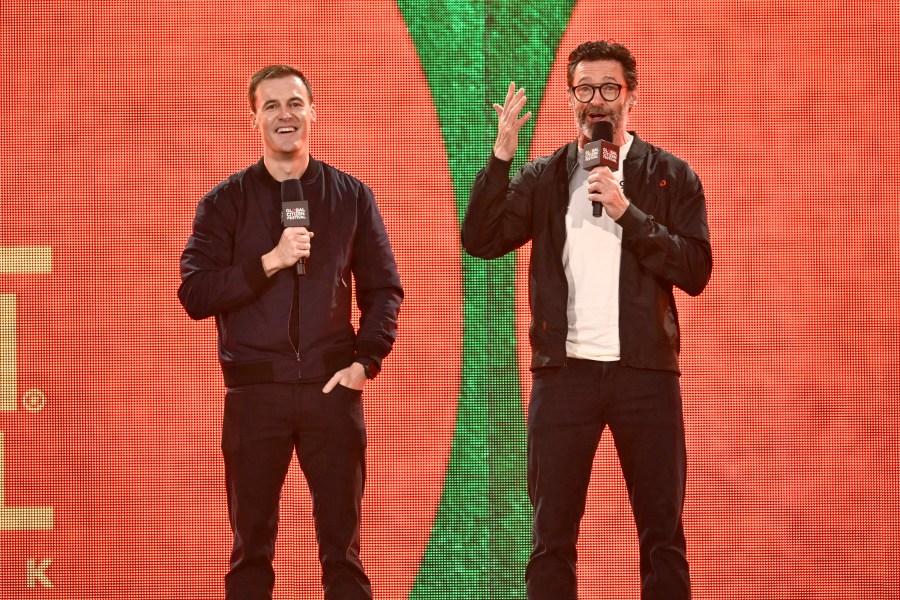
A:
{"x":600,"y":151}
{"x":294,"y":212}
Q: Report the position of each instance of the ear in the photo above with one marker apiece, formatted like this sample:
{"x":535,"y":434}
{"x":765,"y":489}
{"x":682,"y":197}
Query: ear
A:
{"x":569,"y":99}
{"x":253,"y":124}
{"x":312,"y":111}
{"x":632,"y":100}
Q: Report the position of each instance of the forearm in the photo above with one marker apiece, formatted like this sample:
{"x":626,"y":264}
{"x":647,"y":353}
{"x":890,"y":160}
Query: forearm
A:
{"x":377,"y":282}
{"x":379,"y":310}
{"x":496,"y":220}
{"x":679,"y":254}
{"x":206,"y":292}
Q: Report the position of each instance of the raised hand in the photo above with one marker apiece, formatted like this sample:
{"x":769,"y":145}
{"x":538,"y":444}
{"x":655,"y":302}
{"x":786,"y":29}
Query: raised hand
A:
{"x":509,"y":122}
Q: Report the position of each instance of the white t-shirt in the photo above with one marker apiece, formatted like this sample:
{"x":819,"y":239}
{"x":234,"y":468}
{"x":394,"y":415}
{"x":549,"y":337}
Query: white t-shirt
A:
{"x":591,"y":258}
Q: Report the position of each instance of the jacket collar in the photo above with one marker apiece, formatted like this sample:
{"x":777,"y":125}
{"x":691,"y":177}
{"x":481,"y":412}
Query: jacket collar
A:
{"x":262,"y":173}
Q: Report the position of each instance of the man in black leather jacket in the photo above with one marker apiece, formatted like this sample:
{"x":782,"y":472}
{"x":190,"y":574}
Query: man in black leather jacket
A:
{"x":604,"y":330}
{"x":292,"y":362}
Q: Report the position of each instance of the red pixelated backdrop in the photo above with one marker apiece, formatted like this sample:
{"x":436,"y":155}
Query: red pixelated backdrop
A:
{"x":118,"y":118}
{"x":121,"y":116}
{"x":788,"y":112}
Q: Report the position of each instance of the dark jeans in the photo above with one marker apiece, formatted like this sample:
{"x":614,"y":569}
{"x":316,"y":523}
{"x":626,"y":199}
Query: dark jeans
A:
{"x":569,"y":408}
{"x":263,"y":426}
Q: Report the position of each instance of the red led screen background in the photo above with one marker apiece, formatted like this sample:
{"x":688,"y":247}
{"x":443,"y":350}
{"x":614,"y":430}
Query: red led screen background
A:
{"x":120,"y":116}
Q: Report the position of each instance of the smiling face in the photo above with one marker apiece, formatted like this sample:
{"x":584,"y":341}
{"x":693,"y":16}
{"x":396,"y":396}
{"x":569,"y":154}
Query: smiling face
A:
{"x":596,"y":73}
{"x":284,"y":114}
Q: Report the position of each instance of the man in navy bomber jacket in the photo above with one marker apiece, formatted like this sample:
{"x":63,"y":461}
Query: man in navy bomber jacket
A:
{"x":293,"y":365}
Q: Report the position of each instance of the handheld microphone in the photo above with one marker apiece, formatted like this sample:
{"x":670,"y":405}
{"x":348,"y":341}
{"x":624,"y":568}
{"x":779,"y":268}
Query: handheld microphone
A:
{"x":601,"y":151}
{"x":294,"y":212}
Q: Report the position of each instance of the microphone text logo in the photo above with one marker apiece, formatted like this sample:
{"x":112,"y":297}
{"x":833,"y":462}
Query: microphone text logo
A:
{"x":293,"y":214}
{"x":609,"y":155}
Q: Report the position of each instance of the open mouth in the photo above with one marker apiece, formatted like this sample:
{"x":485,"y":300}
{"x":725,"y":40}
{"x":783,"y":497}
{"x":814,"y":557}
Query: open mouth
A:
{"x":286,"y":130}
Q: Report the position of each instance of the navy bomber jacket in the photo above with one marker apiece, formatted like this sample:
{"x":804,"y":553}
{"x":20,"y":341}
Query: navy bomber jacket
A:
{"x":222,"y":276}
{"x":665,"y":244}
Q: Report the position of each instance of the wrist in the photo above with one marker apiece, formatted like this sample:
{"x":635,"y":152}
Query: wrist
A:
{"x":504,"y":154}
{"x":270,"y":263}
{"x":370,"y":366}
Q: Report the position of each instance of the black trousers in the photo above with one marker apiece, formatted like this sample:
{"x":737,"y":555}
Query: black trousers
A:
{"x":569,"y":408}
{"x":263,"y":426}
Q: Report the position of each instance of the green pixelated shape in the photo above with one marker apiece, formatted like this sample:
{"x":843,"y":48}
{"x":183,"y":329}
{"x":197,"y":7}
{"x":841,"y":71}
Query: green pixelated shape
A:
{"x":470,"y":51}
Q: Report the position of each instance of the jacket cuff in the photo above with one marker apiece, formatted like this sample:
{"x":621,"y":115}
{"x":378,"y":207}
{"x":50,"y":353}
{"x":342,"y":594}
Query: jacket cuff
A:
{"x":497,"y":168}
{"x":370,"y":350}
{"x":632,"y":219}
{"x":254,"y":273}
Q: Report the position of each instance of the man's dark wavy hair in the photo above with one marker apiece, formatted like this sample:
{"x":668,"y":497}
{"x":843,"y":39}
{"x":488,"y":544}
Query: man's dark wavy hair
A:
{"x":604,"y":51}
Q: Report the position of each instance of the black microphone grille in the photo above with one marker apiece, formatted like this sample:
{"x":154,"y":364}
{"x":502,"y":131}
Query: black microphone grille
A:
{"x":602,"y":130}
{"x":291,"y":190}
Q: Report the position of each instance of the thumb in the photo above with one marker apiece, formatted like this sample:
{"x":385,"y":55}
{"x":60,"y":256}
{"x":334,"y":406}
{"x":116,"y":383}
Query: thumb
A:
{"x":332,"y":382}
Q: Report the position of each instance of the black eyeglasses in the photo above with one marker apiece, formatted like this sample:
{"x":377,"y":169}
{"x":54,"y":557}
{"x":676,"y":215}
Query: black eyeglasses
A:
{"x":608,"y":91}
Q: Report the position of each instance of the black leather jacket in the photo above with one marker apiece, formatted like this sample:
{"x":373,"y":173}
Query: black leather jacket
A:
{"x":665,"y":243}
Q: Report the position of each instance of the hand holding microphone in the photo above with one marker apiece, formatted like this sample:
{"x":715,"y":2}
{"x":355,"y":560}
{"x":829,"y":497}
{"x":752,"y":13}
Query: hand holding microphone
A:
{"x":601,"y":152}
{"x":294,"y":246}
{"x":292,"y":250}
{"x":295,"y":214}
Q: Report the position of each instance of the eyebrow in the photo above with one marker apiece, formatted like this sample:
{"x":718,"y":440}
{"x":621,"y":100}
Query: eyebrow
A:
{"x":604,"y":79}
{"x":291,"y":99}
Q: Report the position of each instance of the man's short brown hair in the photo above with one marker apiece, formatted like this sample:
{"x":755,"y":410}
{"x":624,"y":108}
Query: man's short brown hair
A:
{"x":274,"y":72}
